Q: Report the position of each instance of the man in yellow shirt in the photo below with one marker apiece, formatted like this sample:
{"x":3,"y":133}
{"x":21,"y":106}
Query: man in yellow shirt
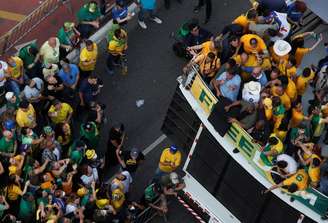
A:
{"x":205,"y":48}
{"x":25,"y":116}
{"x":116,"y":48}
{"x":170,"y":160}
{"x":253,"y":44}
{"x":88,"y":58}
{"x":303,"y":80}
{"x":296,"y":182}
{"x":60,"y":112}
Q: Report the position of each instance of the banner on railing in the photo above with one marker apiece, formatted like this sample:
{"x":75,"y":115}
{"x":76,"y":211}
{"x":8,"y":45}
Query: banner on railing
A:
{"x":203,"y":95}
{"x":243,"y":142}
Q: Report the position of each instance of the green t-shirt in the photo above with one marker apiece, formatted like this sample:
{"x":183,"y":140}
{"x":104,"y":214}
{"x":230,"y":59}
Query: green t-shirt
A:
{"x":7,"y":146}
{"x":65,"y":37}
{"x":92,"y":136}
{"x":15,"y":105}
{"x":26,"y":56}
{"x":112,"y":31}
{"x":85,"y":15}
{"x":26,"y":208}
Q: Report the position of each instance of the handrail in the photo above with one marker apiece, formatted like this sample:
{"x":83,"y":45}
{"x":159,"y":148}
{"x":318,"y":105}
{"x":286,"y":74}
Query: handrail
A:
{"x":148,"y":214}
{"x":20,"y":30}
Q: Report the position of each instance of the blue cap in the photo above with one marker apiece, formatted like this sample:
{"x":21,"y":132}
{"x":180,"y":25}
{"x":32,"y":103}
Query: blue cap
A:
{"x":173,"y":149}
{"x":9,"y":124}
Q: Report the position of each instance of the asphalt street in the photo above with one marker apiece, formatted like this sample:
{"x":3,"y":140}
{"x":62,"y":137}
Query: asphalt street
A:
{"x":153,"y":69}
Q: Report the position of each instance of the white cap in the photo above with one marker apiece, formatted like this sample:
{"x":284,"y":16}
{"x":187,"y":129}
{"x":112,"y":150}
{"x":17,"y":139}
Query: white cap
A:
{"x":251,"y":91}
{"x":174,"y":178}
{"x":281,"y":47}
{"x":9,"y":95}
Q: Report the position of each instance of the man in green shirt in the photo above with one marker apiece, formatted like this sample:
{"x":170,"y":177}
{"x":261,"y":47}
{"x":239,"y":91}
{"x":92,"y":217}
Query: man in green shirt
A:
{"x":90,"y":134}
{"x":30,"y":57}
{"x":88,"y":17}
{"x":27,"y":207}
{"x":8,"y":144}
{"x":68,"y":37}
{"x":12,"y":101}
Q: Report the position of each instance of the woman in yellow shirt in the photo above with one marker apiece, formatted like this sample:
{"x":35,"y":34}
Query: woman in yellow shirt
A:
{"x":298,"y":49}
{"x":13,"y":190}
{"x":15,"y":69}
{"x":303,"y":80}
{"x":297,"y":115}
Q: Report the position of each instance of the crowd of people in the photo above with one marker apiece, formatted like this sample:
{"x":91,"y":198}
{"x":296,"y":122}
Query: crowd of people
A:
{"x":255,"y":68}
{"x":51,"y":165}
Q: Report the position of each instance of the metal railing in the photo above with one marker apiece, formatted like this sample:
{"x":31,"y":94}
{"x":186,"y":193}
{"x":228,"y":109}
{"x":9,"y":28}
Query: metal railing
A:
{"x":148,"y":214}
{"x":25,"y":26}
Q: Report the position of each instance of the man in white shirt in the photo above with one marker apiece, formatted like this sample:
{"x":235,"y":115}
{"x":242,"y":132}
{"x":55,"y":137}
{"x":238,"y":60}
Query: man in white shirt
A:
{"x":32,"y":91}
{"x":49,"y":51}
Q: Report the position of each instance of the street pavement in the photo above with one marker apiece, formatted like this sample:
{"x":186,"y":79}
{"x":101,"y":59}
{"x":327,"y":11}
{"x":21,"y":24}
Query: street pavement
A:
{"x":153,"y":69}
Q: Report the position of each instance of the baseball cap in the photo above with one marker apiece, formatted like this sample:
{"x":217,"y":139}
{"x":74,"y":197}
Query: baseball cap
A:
{"x":90,"y":153}
{"x":69,"y":25}
{"x":134,"y":152}
{"x":174,"y":178}
{"x":9,"y":124}
{"x":9,"y":95}
{"x":173,"y":148}
{"x":281,"y":47}
{"x":92,"y":7}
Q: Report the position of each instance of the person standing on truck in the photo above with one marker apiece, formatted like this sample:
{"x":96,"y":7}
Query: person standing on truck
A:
{"x":170,"y":160}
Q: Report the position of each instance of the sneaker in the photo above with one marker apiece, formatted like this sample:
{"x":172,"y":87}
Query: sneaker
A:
{"x":142,"y":24}
{"x":157,"y":20}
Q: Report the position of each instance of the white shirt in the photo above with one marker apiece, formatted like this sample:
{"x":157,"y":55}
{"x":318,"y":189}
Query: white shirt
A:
{"x":4,"y":67}
{"x":35,"y":91}
{"x":291,"y":163}
{"x":127,"y":181}
{"x":50,"y":55}
{"x":284,"y":27}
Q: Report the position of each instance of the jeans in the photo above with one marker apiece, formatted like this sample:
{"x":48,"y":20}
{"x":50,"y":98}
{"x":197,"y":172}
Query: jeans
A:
{"x":13,"y":86}
{"x":111,"y":59}
{"x":141,"y":15}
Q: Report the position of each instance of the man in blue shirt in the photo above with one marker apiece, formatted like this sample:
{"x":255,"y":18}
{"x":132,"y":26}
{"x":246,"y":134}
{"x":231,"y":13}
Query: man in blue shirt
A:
{"x":120,"y":13}
{"x":70,"y":75}
{"x":147,"y":6}
{"x":227,"y":84}
{"x":296,"y":10}
{"x":89,"y":90}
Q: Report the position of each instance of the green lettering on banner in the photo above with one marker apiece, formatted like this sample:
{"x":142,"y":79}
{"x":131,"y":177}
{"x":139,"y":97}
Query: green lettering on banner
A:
{"x":233,"y":132}
{"x":203,"y":97}
{"x":246,"y":146}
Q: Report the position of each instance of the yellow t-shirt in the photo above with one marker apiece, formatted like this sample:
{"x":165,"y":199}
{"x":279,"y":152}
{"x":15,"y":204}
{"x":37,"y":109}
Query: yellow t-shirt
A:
{"x":115,"y":47}
{"x":297,"y":118}
{"x":205,"y":68}
{"x":15,"y":72}
{"x":314,"y":172}
{"x":291,"y":90}
{"x":13,"y":192}
{"x":242,"y":21}
{"x":299,"y":54}
{"x":303,"y":82}
{"x":281,"y":134}
{"x":26,"y":119}
{"x":285,"y":100}
{"x":300,"y":178}
{"x":102,"y":203}
{"x":245,"y":40}
{"x":118,"y":199}
{"x":86,"y":56}
{"x":207,"y":47}
{"x":167,"y":156}
{"x":279,"y":147}
{"x":62,"y":114}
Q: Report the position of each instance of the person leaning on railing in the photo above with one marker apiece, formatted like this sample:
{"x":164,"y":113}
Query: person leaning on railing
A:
{"x":69,"y":38}
{"x":88,"y":18}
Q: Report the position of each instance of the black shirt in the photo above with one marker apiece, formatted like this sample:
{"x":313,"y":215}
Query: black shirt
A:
{"x":131,"y":164}
{"x":49,"y":89}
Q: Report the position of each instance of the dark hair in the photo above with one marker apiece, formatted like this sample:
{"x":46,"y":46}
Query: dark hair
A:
{"x":24,"y":130}
{"x":306,"y":72}
{"x":276,"y":101}
{"x":284,"y":81}
{"x":273,"y":32}
{"x":211,"y":55}
{"x":117,"y":32}
{"x":297,"y":43}
{"x":233,"y":38}
{"x":92,"y":76}
{"x":284,"y":124}
{"x":315,"y":162}
{"x":275,"y":70}
{"x":300,"y":6}
{"x":292,"y":188}
{"x":282,"y":164}
{"x":232,"y":70}
{"x":253,"y":41}
{"x":292,"y":60}
{"x":193,"y":25}
{"x":88,"y":43}
{"x":273,"y":140}
{"x":33,"y":51}
{"x":232,"y":62}
{"x":24,"y":104}
{"x":251,"y":14}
